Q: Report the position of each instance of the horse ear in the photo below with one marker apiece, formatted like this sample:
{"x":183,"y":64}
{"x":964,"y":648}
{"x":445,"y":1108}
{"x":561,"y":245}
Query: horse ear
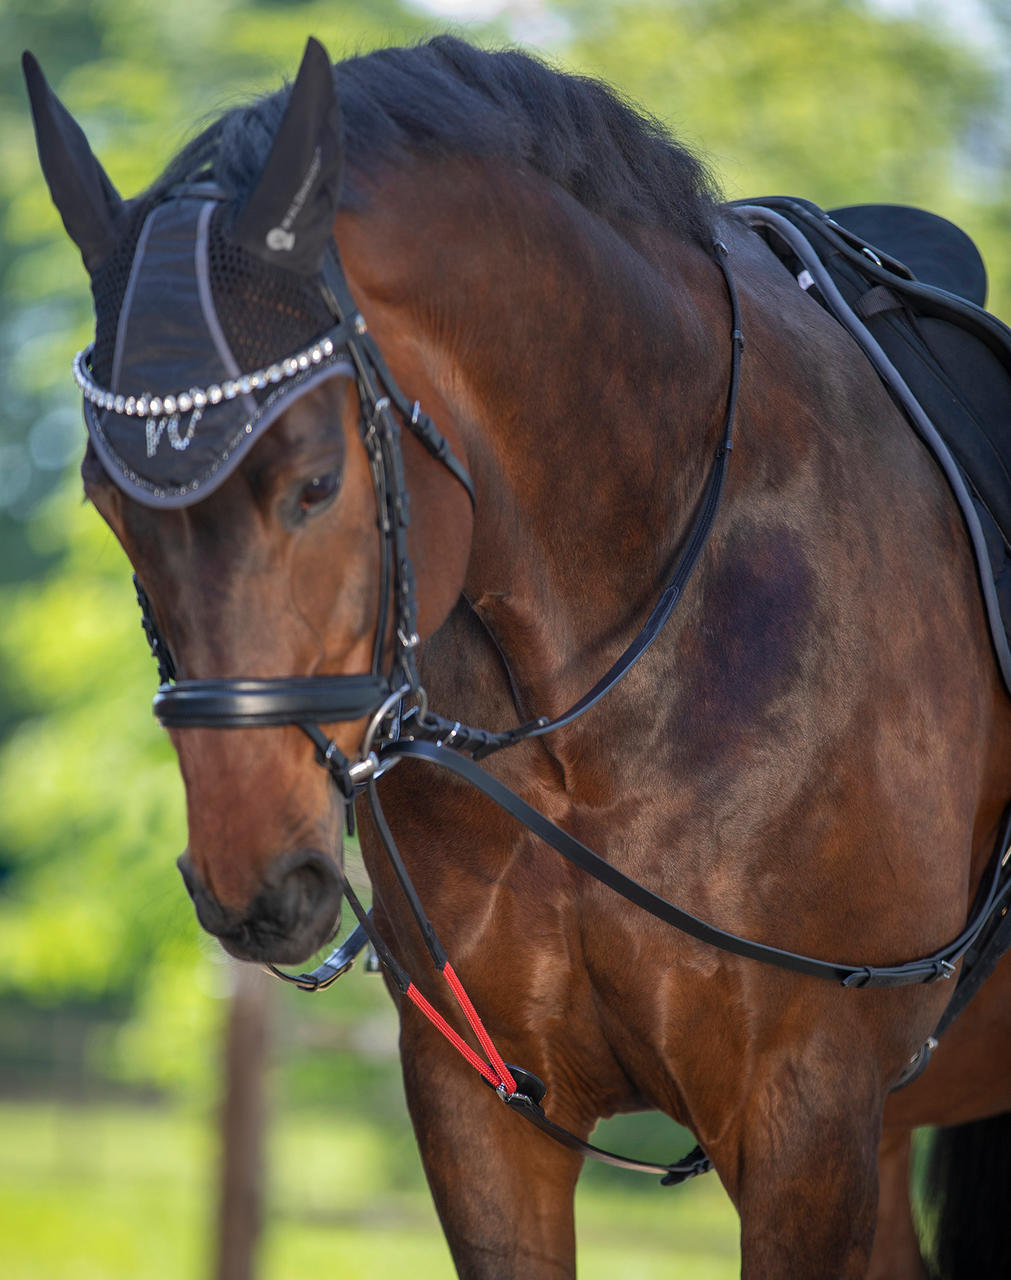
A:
{"x":288,"y":220}
{"x":87,"y":201}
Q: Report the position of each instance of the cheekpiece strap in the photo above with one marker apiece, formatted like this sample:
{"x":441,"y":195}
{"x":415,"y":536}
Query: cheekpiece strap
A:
{"x":417,"y":422}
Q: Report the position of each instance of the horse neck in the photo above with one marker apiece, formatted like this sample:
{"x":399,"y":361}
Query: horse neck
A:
{"x":587,"y":376}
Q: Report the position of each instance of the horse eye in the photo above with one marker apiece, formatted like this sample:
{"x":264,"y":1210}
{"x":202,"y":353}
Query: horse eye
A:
{"x":318,"y":491}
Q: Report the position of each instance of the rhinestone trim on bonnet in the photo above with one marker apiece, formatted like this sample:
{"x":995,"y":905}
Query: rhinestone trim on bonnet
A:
{"x":147,"y":405}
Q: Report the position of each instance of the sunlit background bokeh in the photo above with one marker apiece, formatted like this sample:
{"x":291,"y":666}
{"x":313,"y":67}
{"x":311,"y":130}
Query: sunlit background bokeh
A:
{"x":114,"y":1010}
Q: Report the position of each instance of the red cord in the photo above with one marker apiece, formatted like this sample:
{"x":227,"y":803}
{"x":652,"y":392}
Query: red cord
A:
{"x":485,"y":1040}
{"x":497,"y":1073}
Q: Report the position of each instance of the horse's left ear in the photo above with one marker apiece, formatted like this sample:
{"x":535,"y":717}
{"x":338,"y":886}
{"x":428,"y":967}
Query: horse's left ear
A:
{"x":289,"y":218}
{"x":87,"y":201}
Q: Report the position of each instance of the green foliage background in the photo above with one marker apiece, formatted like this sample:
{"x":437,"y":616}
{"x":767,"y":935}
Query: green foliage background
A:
{"x":841,"y":101}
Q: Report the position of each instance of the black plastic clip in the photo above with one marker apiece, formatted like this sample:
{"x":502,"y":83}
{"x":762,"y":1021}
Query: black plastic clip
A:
{"x":529,"y":1088}
{"x":695,"y":1163}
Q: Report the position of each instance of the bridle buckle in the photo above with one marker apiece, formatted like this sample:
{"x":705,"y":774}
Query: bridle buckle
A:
{"x":363,"y":770}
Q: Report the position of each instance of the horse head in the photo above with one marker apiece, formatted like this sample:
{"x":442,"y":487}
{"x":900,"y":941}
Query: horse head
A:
{"x":237,"y":426}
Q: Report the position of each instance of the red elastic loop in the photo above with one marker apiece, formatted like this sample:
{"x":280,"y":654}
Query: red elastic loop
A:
{"x":495,"y":1070}
{"x":436,"y":1018}
{"x":485,"y":1040}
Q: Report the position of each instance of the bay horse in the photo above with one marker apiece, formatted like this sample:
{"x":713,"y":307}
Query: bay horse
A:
{"x":813,"y":752}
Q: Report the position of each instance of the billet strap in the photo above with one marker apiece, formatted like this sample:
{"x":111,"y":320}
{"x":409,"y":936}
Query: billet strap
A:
{"x":977,"y":972}
{"x":988,"y":946}
{"x":939,"y":965}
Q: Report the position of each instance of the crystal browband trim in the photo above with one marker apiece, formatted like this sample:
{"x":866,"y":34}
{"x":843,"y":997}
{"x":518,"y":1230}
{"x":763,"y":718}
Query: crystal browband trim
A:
{"x":146,"y":405}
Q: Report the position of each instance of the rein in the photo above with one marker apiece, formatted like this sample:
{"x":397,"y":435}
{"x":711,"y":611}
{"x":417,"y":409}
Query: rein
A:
{"x":395,"y":733}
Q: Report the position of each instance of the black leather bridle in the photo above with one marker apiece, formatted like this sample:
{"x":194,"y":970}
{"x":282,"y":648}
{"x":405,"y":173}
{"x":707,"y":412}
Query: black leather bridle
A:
{"x":397,"y":695}
{"x":402,"y":727}
{"x":309,"y":701}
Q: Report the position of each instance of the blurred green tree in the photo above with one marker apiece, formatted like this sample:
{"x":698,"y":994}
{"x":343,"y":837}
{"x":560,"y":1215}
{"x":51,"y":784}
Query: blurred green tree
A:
{"x":839,"y":102}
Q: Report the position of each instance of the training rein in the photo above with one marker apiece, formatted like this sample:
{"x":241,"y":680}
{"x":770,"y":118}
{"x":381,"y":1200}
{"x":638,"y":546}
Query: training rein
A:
{"x":400,"y":726}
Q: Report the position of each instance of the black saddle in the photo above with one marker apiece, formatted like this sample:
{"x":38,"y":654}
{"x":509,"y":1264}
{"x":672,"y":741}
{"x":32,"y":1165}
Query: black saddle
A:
{"x":933,"y":250}
{"x":908,"y":286}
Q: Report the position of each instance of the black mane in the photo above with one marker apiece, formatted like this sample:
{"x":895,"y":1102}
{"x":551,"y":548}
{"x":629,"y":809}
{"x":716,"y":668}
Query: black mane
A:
{"x":446,"y":97}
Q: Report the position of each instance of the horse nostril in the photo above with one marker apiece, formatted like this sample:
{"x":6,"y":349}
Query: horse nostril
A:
{"x":213,"y":915}
{"x":298,"y":908}
{"x":296,"y":911}
{"x":301,"y":887}
{"x":185,"y":864}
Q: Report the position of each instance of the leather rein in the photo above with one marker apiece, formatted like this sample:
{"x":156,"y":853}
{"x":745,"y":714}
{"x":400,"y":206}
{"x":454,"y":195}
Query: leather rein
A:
{"x":401,"y":726}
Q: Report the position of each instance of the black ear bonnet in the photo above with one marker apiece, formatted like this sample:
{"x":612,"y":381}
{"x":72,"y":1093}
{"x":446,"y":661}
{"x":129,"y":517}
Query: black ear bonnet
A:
{"x":210,"y":320}
{"x":199,"y":346}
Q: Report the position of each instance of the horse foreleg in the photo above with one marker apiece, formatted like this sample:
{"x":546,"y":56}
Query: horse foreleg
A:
{"x":896,"y":1254}
{"x":503,"y":1190}
{"x":803,"y":1176}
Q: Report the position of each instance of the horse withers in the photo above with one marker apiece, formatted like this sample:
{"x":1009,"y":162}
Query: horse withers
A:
{"x":497,"y":301}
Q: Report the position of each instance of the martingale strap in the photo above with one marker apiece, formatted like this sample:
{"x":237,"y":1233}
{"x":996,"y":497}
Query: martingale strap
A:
{"x":521,"y":1090}
{"x":940,"y":965}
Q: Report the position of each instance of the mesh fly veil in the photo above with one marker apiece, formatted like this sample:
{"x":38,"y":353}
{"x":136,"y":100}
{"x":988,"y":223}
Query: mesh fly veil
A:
{"x":199,"y":346}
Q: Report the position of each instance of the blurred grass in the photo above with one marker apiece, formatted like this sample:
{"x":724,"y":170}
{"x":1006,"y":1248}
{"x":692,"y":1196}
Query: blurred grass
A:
{"x":126,"y":1192}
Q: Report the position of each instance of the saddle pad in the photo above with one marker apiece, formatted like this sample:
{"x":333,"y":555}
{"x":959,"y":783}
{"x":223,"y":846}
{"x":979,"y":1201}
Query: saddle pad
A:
{"x":945,"y":361}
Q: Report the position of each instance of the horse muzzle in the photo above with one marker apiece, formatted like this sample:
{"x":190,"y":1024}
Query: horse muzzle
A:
{"x":296,"y":911}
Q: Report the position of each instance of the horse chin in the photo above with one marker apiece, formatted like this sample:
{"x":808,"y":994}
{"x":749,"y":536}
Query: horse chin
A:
{"x":277,"y":951}
{"x":297,"y":911}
